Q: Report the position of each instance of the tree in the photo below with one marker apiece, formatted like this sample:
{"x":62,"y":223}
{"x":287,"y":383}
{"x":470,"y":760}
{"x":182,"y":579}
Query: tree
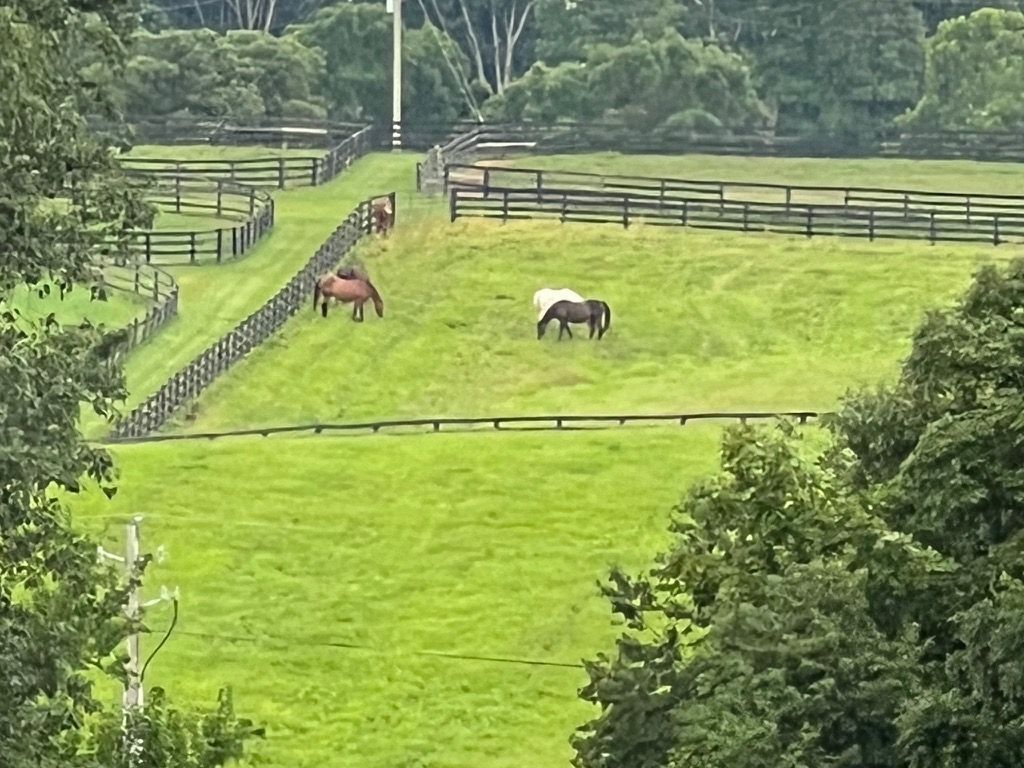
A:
{"x":495,"y":36}
{"x":356,"y":40}
{"x":973,"y":75}
{"x":242,"y":75}
{"x":671,"y":82}
{"x":61,"y":611}
{"x":566,"y":30}
{"x":844,"y":66}
{"x":854,"y":606}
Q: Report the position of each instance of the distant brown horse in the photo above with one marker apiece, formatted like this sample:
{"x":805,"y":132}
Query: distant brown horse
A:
{"x":355,"y":291}
{"x":383,"y":216}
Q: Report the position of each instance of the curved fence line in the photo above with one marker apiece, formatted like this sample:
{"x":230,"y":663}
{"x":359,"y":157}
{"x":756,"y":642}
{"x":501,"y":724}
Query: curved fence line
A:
{"x":254,"y":208}
{"x":150,"y":282}
{"x":538,"y":423}
{"x":259,"y":326}
{"x":279,"y":172}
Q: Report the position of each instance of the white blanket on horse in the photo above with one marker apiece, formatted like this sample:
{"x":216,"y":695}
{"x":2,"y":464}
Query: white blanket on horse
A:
{"x":545,"y":297}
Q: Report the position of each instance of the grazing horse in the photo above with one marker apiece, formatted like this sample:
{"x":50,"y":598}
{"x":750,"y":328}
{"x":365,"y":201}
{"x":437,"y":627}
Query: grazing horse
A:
{"x":383,"y":216}
{"x":594,"y":312}
{"x":354,"y":291}
{"x":545,"y":297}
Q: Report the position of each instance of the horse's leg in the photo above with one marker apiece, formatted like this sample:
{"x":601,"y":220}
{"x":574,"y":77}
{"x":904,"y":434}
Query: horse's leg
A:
{"x":323,"y":308}
{"x":591,"y":326}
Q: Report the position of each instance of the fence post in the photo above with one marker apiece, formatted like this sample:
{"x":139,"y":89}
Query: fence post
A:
{"x":810,"y":220}
{"x":447,"y":173}
{"x":540,"y":187}
{"x":149,"y":247}
{"x":625,"y":212}
{"x":789,"y":198}
{"x":995,"y":230}
{"x":220,"y":196}
{"x":968,"y":211}
{"x":487,"y":182}
{"x":746,"y":214}
{"x":661,"y":200}
{"x":220,"y":245}
{"x":192,"y":247}
{"x":906,"y":206}
{"x":871,"y":225}
{"x":931,"y":227}
{"x":686,"y":212}
{"x":721,"y":199}
{"x":234,"y":241}
{"x":177,"y":192}
{"x":565,"y":208}
{"x":504,"y":206}
{"x":280,"y":173}
{"x":314,"y":172}
{"x":137,"y":278}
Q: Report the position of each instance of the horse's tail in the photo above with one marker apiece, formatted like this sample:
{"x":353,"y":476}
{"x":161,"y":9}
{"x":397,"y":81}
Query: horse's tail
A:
{"x":378,"y":302}
{"x":316,"y":292}
{"x":607,"y":316}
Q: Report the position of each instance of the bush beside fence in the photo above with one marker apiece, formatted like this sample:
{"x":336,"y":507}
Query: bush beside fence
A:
{"x":189,"y":382}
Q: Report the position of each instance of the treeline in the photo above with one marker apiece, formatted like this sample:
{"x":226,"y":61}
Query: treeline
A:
{"x":851,"y":68}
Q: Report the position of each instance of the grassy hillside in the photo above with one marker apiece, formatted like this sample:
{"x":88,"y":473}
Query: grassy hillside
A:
{"x":700,"y":321}
{"x":932,"y":175}
{"x":474,"y":544}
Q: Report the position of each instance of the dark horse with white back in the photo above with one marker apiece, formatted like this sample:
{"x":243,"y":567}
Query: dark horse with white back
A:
{"x":594,"y":312}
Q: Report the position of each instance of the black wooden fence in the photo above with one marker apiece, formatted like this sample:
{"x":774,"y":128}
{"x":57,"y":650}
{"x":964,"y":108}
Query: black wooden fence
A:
{"x":495,"y":422}
{"x":279,"y":172}
{"x":252,"y":208}
{"x":151,"y":283}
{"x":872,"y":214}
{"x":195,"y":377}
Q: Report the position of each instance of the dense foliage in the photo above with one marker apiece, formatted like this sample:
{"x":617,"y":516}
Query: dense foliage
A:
{"x":848,"y":68}
{"x":974,"y":77}
{"x":855,"y":606}
{"x":62,"y":198}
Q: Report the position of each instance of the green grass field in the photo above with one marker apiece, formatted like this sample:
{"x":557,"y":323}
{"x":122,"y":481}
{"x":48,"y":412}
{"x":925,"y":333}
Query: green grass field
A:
{"x":120,"y":308}
{"x":473,"y":544}
{"x":290,"y":551}
{"x":926,"y":175}
{"x":699,"y":321}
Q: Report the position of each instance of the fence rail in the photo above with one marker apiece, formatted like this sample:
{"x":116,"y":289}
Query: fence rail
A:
{"x":147,"y":281}
{"x":279,"y":172}
{"x":195,"y":377}
{"x":597,"y":206}
{"x":253,"y":208}
{"x":496,"y":422}
{"x":965,"y":204}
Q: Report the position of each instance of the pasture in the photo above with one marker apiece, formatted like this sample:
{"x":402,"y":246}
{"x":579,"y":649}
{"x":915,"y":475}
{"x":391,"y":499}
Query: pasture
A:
{"x":288,"y":551}
{"x":323,"y":576}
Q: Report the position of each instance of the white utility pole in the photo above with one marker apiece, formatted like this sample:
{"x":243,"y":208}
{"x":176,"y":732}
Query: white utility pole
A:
{"x":394,"y":7}
{"x":133,"y":689}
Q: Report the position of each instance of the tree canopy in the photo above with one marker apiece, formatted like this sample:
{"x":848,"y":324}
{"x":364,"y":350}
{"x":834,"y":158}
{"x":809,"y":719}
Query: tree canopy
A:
{"x":857,"y":604}
{"x":62,"y":201}
{"x":973,"y":75}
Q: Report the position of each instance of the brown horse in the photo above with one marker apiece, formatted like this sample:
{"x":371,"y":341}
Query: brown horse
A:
{"x":383,"y":216}
{"x":355,"y":291}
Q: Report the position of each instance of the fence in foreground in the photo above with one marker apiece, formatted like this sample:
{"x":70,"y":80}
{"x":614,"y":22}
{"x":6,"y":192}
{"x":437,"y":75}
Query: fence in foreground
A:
{"x":195,"y":377}
{"x":494,"y":422}
{"x":932,"y":223}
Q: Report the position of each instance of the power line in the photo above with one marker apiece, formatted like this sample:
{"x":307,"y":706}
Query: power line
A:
{"x":345,"y":645}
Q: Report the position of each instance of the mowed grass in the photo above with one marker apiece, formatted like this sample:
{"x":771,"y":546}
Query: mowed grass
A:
{"x":484,"y":544}
{"x":700,"y":321}
{"x":216,"y":297}
{"x":119,"y":309}
{"x":926,"y":175}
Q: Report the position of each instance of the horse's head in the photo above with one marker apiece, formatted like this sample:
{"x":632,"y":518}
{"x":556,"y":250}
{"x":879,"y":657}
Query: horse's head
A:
{"x":541,"y":327}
